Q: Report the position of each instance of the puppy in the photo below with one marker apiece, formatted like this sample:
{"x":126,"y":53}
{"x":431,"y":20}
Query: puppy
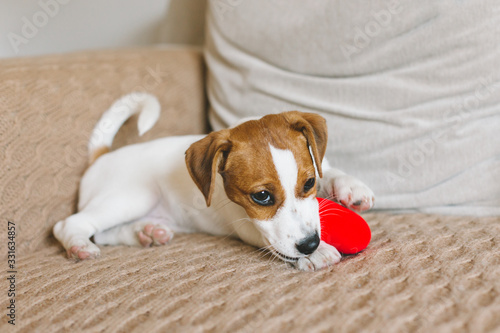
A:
{"x":256,"y":181}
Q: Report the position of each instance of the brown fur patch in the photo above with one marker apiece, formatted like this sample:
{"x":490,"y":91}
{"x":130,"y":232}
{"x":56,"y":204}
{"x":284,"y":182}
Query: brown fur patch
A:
{"x":98,"y":153}
{"x":246,"y":163}
{"x":249,"y":167}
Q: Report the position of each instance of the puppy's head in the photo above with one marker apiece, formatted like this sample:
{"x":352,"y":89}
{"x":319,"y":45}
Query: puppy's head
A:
{"x":269,"y":167}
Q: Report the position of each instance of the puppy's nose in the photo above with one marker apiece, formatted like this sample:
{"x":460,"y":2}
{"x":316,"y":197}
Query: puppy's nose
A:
{"x":309,"y":244}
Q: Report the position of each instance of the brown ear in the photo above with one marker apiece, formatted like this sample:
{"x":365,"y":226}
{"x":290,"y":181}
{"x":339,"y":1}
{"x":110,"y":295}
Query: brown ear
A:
{"x":202,"y":158}
{"x":313,"y":126}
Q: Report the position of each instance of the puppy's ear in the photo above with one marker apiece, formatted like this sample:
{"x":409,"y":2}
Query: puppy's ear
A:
{"x":202,"y":159}
{"x":314,"y":128}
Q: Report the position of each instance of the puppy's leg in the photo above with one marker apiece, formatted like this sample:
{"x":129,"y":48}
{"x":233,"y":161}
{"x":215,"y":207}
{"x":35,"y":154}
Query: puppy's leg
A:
{"x":74,"y":233}
{"x":102,"y":213}
{"x":324,"y":256}
{"x":139,"y":233}
{"x":349,"y":191}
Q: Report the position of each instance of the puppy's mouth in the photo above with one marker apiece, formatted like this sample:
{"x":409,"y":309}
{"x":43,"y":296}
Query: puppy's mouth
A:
{"x":284,"y":257}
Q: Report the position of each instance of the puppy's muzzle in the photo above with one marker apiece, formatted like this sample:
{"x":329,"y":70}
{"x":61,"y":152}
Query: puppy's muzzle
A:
{"x":309,"y":244}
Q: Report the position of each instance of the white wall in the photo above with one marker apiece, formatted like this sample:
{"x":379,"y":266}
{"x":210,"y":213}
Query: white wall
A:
{"x":35,"y":27}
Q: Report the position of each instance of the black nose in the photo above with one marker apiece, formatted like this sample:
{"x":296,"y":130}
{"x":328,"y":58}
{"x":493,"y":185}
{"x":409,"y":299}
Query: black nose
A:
{"x":309,"y":244}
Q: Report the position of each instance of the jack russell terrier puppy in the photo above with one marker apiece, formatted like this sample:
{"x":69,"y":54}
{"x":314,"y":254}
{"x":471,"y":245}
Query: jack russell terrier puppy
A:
{"x":256,"y":181}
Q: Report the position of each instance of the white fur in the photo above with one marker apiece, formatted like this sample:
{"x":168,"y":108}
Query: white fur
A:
{"x":149,"y":183}
{"x":297,"y":218}
{"x":111,"y":121}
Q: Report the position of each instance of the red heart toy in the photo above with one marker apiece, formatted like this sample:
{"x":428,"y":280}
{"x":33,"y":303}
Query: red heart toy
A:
{"x":342,"y":228}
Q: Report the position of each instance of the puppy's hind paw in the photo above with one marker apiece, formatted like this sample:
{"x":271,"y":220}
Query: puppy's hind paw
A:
{"x":83,"y":251}
{"x":154,"y":235}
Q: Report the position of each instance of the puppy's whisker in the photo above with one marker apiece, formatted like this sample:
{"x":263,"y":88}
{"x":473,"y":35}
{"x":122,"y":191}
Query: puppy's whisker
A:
{"x":330,"y":215}
{"x":331,"y":197}
{"x":264,"y":249}
{"x":267,"y":247}
{"x":236,"y":221}
{"x":238,"y":227}
{"x":263,"y":253}
{"x":331,"y":210}
{"x":221,"y":204}
{"x":273,"y":257}
{"x":270,"y":249}
{"x":323,"y":204}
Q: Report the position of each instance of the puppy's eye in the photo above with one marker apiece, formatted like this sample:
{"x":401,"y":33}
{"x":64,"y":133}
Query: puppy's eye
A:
{"x":263,"y":198}
{"x":309,"y":184}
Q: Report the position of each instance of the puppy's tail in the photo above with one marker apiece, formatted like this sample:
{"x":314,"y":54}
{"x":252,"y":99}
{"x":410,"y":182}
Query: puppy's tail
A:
{"x":111,"y":121}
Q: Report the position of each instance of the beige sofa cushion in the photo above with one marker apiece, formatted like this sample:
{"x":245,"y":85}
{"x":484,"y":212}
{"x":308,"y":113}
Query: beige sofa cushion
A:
{"x":410,"y":89}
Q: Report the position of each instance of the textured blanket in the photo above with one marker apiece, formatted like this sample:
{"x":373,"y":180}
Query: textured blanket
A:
{"x":421,"y":273}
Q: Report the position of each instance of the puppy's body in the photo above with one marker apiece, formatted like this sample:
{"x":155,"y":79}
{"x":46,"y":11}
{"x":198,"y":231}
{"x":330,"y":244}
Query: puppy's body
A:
{"x":252,"y":182}
{"x":163,"y":183}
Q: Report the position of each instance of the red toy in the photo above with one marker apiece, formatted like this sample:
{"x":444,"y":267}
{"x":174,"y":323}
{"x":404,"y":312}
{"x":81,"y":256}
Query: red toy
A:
{"x":342,"y":228}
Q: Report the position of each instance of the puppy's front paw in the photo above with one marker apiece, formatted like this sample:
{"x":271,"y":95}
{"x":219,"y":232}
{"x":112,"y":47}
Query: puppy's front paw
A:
{"x":350,"y":192}
{"x":324,"y":256}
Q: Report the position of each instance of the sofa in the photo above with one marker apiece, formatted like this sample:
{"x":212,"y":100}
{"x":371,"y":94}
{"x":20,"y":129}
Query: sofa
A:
{"x":420,"y":273}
